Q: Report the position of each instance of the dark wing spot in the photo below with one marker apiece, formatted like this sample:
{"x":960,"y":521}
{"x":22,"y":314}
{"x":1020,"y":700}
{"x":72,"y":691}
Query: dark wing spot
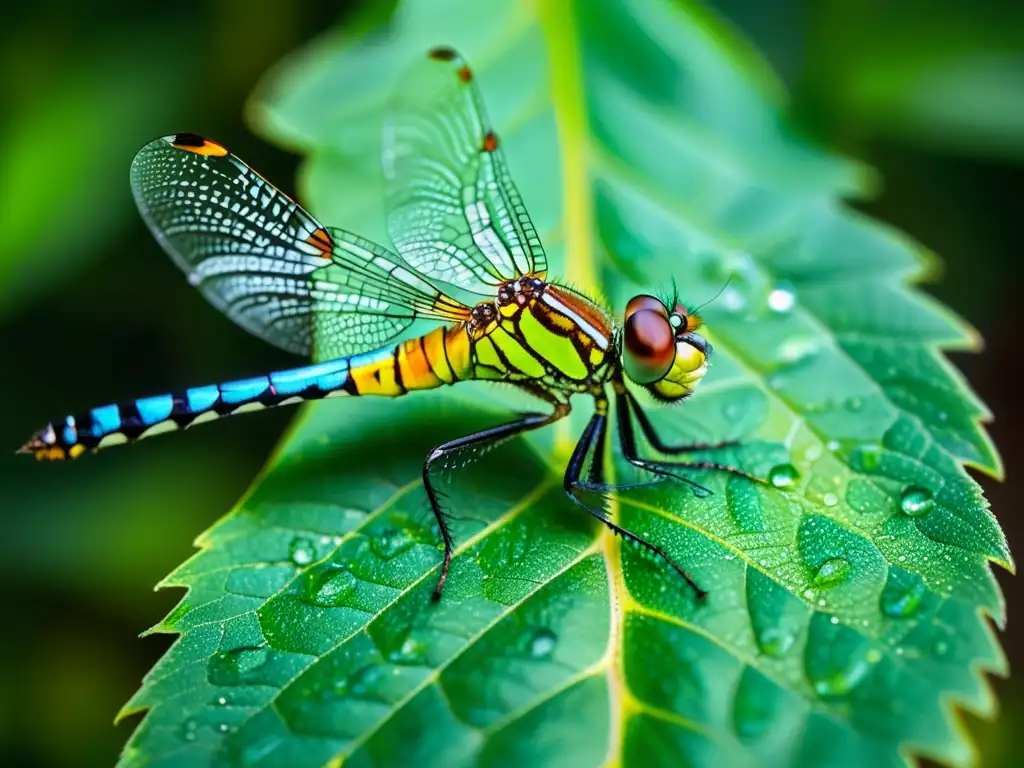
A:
{"x":442,"y":53}
{"x":490,"y":142}
{"x":187,"y":140}
{"x":191,"y":142}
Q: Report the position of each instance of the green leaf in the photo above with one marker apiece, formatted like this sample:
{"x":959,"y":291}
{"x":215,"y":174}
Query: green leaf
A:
{"x":848,"y":603}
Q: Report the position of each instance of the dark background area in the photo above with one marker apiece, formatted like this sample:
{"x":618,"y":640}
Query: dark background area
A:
{"x":929,"y":93}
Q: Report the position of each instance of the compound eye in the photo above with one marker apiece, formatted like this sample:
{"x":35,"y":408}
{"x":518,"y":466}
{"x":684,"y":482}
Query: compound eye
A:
{"x":645,"y":302}
{"x":649,"y":347}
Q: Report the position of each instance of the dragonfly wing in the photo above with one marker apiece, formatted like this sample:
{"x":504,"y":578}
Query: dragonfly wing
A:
{"x":454,"y":212}
{"x":263,"y":260}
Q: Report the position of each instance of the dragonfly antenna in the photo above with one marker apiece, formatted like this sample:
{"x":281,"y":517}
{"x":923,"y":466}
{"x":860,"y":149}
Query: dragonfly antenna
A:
{"x":720,"y":292}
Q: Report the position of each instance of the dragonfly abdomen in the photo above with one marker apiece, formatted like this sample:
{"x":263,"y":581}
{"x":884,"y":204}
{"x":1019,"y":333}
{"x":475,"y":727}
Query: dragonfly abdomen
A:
{"x":440,"y":357}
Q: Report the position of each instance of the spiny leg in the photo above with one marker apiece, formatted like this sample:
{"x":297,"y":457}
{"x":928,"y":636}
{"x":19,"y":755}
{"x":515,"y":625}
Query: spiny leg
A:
{"x":655,"y":439}
{"x":525,"y":423}
{"x":593,"y":435}
{"x":627,"y":407}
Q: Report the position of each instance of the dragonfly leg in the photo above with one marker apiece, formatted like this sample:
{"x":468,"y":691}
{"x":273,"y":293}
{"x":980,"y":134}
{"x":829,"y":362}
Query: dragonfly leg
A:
{"x":655,"y":439}
{"x":594,"y":436}
{"x":626,"y":407}
{"x":526,"y":422}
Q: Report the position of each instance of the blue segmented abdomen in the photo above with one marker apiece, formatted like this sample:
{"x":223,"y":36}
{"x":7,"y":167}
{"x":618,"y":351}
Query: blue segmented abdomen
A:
{"x":438,"y":358}
{"x":120,"y":423}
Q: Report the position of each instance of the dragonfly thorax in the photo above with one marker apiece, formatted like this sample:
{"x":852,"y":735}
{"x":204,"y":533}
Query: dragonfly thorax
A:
{"x":511,"y":294}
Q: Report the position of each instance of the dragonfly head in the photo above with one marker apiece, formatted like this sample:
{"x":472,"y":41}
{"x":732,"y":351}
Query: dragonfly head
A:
{"x":661,"y":349}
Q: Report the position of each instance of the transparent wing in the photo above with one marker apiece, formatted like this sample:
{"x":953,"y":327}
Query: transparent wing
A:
{"x":260,"y":258}
{"x":454,"y":212}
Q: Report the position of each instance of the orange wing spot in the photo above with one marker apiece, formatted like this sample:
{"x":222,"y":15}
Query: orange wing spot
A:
{"x":191,"y":142}
{"x":465,"y":73}
{"x":490,"y":142}
{"x":442,"y":53}
{"x":321,"y":241}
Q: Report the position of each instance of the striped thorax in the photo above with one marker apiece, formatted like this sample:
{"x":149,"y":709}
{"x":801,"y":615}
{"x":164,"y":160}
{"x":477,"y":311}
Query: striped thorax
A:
{"x":541,"y":333}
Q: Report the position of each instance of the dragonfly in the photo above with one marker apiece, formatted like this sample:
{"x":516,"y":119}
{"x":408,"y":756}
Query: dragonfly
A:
{"x":469,"y":264}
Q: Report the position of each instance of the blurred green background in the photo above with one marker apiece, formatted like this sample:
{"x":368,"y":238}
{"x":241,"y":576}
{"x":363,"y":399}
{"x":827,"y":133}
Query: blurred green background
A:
{"x":929,"y":93}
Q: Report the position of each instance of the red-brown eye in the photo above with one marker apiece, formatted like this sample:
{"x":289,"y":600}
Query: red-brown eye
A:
{"x":649,"y":347}
{"x":645,"y":302}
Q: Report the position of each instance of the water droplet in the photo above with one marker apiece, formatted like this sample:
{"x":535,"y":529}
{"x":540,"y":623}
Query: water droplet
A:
{"x":412,"y":651}
{"x":194,"y":279}
{"x":367,"y":679}
{"x":222,"y":700}
{"x":916,"y":501}
{"x":783,"y":476}
{"x":830,"y":500}
{"x":843,"y":681}
{"x":798,"y":348}
{"x":234,"y":667}
{"x":775,"y":641}
{"x":854,"y":404}
{"x":832,"y":572}
{"x":866,"y":458}
{"x":782,"y":299}
{"x":331,"y":587}
{"x":832,"y":445}
{"x":301,"y":551}
{"x":901,"y":599}
{"x":223,"y":728}
{"x":188,"y":730}
{"x":941,"y":648}
{"x":813,"y":452}
{"x":732,"y":300}
{"x":541,"y":643}
{"x":700,"y":491}
{"x":391,"y":543}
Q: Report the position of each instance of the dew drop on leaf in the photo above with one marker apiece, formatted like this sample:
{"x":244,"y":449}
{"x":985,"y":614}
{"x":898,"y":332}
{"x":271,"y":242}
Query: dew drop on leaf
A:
{"x":830,"y":500}
{"x":188,"y":730}
{"x":367,"y":679}
{"x":232,"y":667}
{"x":782,"y":299}
{"x":916,"y":501}
{"x":832,"y":572}
{"x":841,"y":682}
{"x":331,"y":587}
{"x":541,"y":643}
{"x":901,"y":598}
{"x":411,"y":651}
{"x":775,"y":641}
{"x":733,"y":300}
{"x":866,"y":458}
{"x":783,"y":476}
{"x":392,"y":542}
{"x":301,"y":551}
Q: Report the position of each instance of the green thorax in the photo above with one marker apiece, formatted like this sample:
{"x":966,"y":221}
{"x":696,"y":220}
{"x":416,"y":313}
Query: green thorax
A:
{"x":540,"y":333}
